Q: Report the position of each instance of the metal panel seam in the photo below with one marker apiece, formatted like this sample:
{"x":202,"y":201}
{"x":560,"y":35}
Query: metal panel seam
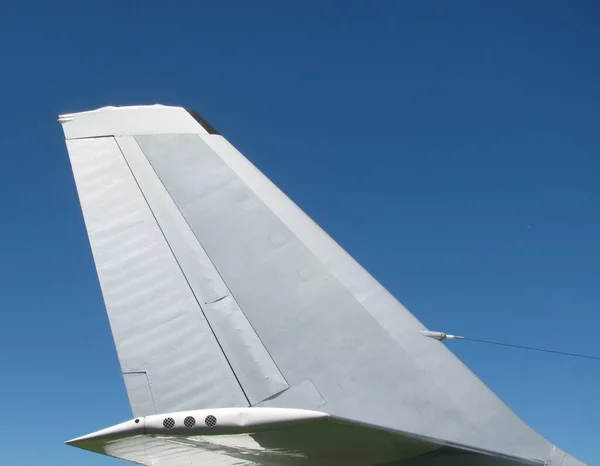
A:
{"x":182,"y":273}
{"x":149,"y":385}
{"x":100,"y":136}
{"x":211,"y":261}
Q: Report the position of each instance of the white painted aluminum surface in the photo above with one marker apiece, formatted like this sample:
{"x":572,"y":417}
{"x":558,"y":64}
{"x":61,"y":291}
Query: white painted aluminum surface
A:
{"x":156,"y":321}
{"x":223,"y":293}
{"x":125,"y":121}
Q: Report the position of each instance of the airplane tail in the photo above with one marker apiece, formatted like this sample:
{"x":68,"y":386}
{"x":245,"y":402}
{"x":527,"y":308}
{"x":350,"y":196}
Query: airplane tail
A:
{"x":222,"y":293}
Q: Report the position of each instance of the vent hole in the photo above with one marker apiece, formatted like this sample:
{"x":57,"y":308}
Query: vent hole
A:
{"x":189,"y":422}
{"x":169,"y":423}
{"x":210,"y":420}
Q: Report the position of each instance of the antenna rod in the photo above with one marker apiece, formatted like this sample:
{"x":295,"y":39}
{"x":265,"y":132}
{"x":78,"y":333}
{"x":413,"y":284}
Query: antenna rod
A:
{"x":440,"y":336}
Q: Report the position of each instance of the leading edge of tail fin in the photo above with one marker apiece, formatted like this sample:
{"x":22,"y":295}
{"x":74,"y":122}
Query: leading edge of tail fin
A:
{"x":221,"y":292}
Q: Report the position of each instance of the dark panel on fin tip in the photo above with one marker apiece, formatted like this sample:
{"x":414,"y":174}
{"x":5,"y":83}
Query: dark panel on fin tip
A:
{"x":205,"y":124}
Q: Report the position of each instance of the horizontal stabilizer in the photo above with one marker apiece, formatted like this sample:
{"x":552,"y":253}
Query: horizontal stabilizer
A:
{"x":272,"y":436}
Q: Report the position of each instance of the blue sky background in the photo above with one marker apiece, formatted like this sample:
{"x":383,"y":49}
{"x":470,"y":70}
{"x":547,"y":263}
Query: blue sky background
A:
{"x":453,"y":148}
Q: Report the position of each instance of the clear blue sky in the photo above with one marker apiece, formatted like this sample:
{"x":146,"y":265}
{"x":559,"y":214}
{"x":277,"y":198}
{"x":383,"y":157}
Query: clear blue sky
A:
{"x":452,"y":147}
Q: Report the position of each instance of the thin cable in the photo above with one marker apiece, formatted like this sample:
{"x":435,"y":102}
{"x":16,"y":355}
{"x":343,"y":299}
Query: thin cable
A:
{"x":542,"y":350}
